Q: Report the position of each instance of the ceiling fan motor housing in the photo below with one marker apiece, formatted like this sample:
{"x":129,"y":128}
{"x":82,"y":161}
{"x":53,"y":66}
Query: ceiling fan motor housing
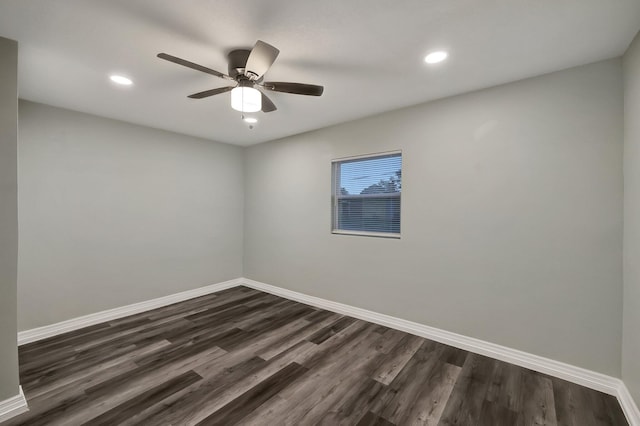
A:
{"x":237,"y":62}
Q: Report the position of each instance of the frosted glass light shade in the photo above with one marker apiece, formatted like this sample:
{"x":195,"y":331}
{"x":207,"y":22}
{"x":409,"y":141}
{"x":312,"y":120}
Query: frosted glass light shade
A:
{"x":246,"y":99}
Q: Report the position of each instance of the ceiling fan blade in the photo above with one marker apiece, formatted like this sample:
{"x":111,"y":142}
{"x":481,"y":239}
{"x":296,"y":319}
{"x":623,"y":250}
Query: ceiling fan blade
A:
{"x":295,"y":88}
{"x":267,"y":105}
{"x":211,"y":92}
{"x":262,"y":56}
{"x":192,"y":65}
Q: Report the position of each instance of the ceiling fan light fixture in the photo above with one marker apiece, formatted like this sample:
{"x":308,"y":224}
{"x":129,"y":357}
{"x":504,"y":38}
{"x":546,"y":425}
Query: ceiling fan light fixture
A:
{"x":246,"y":99}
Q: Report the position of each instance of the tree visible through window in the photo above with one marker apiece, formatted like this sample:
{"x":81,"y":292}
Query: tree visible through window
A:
{"x":366,"y":194}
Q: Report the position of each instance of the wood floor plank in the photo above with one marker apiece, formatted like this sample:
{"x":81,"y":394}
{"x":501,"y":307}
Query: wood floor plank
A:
{"x":284,"y":317}
{"x":371,"y":419}
{"x":390,"y":338}
{"x":182,"y":408}
{"x":324,"y":386}
{"x":569,"y":400}
{"x":428,"y":406}
{"x":219,"y":397}
{"x":399,"y":356}
{"x":350,"y":409}
{"x":339,"y":348}
{"x":144,"y":400}
{"x":241,"y":356}
{"x":102,"y":399}
{"x":465,"y":403}
{"x":247,"y":322}
{"x":329,"y":393}
{"x":173,"y":361}
{"x":244,"y":404}
{"x":94,"y":374}
{"x":83,"y":361}
{"x":251,"y":349}
{"x":505,"y":386}
{"x":495,"y":414}
{"x":302,"y":334}
{"x":157,"y":328}
{"x":328,"y":331}
{"x":308,"y":397}
{"x":615,"y":415}
{"x":538,"y":407}
{"x":35,"y":348}
{"x":422,"y":388}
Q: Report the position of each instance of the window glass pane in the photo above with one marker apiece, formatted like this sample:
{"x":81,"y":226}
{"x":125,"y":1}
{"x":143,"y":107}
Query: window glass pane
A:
{"x":367,"y":194}
{"x":371,"y":176}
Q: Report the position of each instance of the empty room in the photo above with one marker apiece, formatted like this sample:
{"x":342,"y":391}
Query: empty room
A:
{"x":217,"y":212}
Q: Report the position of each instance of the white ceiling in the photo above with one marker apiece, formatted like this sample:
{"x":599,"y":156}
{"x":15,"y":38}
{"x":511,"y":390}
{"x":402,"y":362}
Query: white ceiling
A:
{"x":367,"y":53}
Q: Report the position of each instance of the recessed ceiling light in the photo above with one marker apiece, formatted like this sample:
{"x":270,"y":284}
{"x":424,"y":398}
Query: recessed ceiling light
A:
{"x":250,"y":120}
{"x":435,"y":57}
{"x":119,"y":79}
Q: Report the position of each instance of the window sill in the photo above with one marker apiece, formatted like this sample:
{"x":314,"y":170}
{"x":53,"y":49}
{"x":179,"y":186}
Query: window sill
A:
{"x":367,"y":234}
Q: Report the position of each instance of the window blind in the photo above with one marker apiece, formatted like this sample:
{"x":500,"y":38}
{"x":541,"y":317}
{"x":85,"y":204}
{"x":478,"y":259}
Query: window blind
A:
{"x":366,"y":194}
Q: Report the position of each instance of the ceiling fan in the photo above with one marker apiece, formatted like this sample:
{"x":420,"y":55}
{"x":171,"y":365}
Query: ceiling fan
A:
{"x":247,"y":69}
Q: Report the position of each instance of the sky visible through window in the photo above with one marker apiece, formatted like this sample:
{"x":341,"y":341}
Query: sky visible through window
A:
{"x":356,"y":176}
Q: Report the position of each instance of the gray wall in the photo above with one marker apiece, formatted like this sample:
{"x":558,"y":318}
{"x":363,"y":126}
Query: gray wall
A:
{"x":511,"y":216}
{"x":631,"y":325}
{"x":8,"y":216}
{"x":113,"y":213}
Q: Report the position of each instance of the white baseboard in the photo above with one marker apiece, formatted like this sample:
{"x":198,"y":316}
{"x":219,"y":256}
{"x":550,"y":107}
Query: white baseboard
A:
{"x":629,"y":406}
{"x":581,"y":376}
{"x":13,"y":406}
{"x":46,"y":331}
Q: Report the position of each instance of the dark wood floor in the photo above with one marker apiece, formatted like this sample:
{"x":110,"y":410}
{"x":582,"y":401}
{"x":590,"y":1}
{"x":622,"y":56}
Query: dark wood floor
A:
{"x":241,"y":356}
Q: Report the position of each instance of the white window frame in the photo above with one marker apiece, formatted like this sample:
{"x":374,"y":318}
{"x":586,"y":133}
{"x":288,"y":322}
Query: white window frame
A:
{"x":335,"y":191}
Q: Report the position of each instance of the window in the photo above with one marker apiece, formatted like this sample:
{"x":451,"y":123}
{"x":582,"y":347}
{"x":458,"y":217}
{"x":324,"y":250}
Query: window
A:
{"x":366,"y":195}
